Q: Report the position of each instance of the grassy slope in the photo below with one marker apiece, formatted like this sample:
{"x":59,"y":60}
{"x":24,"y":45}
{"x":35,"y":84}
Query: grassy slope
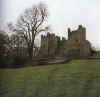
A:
{"x":79,"y":78}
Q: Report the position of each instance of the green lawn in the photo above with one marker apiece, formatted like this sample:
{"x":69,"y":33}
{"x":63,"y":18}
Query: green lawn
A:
{"x":78,"y":78}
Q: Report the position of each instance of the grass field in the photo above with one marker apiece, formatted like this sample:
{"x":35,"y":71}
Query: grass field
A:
{"x":78,"y":78}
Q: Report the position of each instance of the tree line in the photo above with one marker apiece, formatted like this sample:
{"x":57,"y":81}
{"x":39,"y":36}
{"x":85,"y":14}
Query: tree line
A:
{"x":18,"y":46}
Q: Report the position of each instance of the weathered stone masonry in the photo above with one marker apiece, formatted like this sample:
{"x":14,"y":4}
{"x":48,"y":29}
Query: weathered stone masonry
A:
{"x":76,"y":46}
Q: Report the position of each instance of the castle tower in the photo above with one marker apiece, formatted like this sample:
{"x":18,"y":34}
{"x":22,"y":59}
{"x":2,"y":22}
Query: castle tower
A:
{"x":82,"y":31}
{"x":69,"y":31}
{"x":77,"y":43}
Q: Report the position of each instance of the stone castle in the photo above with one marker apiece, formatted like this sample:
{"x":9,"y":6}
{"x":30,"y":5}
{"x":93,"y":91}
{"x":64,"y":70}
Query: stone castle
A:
{"x":76,"y":46}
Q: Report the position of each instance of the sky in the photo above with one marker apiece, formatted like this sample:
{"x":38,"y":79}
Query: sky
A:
{"x":62,"y":15}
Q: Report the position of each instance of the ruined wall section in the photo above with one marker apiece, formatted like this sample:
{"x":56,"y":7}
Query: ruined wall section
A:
{"x":85,"y":49}
{"x":76,"y":46}
{"x":52,"y":44}
{"x":44,"y":46}
{"x":49,"y":45}
{"x":62,"y":50}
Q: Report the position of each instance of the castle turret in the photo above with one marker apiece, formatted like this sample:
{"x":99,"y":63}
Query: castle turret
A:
{"x":82,"y":31}
{"x":80,"y":27}
{"x":69,"y":31}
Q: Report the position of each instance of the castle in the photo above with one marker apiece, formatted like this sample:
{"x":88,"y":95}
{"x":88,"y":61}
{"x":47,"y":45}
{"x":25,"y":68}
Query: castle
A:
{"x":76,"y":46}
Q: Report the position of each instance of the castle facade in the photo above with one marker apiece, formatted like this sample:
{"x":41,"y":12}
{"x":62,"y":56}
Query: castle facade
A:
{"x":76,"y":46}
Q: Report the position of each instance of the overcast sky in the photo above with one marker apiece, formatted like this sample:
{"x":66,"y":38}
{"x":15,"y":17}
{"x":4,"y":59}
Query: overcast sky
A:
{"x":62,"y":14}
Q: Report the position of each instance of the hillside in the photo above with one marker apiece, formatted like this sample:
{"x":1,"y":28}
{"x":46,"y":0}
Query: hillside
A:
{"x":78,"y":78}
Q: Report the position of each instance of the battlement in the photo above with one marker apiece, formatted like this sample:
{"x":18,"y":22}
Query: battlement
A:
{"x":50,"y":44}
{"x":77,"y":35}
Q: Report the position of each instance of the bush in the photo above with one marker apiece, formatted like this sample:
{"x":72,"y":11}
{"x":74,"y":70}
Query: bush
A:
{"x":19,"y":61}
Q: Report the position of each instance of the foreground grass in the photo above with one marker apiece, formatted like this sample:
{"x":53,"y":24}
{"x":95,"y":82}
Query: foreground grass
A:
{"x":79,"y":78}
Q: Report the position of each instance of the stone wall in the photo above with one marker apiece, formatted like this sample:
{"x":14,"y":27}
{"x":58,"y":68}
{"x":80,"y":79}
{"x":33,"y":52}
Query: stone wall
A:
{"x":49,"y":45}
{"x":76,"y":46}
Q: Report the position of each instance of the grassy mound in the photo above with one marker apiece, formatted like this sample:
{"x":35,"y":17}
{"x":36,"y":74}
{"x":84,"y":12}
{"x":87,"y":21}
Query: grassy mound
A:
{"x":79,"y":78}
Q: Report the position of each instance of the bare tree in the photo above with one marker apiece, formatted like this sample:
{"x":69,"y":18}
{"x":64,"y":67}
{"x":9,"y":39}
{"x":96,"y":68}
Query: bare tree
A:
{"x":30,"y":24}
